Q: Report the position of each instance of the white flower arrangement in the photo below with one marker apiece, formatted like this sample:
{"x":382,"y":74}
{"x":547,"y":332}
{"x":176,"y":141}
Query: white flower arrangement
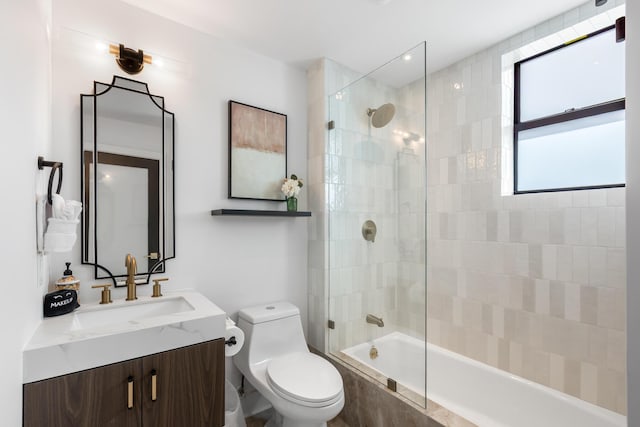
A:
{"x":291,"y":186}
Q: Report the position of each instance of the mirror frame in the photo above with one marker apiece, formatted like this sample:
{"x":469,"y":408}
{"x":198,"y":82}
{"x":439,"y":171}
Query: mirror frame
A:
{"x":159,"y":266}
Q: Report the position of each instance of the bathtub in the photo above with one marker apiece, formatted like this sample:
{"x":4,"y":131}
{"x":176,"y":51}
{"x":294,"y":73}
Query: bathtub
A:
{"x":484,"y":395}
{"x":400,"y":357}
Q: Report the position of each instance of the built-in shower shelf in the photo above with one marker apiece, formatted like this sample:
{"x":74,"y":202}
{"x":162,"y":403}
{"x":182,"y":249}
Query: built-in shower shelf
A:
{"x":258,"y":212}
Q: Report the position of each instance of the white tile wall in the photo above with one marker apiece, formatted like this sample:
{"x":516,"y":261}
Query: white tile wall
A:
{"x":366,"y":173}
{"x":532,"y":283}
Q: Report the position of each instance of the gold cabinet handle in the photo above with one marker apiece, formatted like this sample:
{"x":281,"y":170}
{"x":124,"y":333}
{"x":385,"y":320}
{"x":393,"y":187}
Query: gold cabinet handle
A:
{"x":154,"y":385}
{"x":130,"y":392}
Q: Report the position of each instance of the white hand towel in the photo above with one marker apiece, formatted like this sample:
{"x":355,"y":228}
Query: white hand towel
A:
{"x":57,"y":206}
{"x":72,"y":210}
{"x":61,"y":227}
{"x":58,"y":242}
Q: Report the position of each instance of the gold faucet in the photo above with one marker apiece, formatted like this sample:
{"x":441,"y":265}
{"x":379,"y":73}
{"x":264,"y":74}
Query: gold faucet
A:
{"x":130,"y":263}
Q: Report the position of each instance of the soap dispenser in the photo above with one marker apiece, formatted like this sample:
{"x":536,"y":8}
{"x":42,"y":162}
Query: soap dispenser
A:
{"x":68,"y":280}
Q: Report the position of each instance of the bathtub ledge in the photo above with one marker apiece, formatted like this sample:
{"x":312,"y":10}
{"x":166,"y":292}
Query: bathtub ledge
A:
{"x":434,"y":414}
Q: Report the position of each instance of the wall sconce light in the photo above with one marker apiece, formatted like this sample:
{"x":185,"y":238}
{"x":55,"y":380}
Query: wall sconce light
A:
{"x":600,"y":2}
{"x":620,"y":32}
{"x":129,"y":60}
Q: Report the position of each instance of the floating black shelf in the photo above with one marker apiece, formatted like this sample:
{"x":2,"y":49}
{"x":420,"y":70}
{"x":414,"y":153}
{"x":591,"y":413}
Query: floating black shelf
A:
{"x":250,"y":212}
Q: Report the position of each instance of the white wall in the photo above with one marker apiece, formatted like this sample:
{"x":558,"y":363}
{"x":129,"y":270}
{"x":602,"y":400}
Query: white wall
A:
{"x":234,"y":261}
{"x":25,"y":122}
{"x":633,"y":211}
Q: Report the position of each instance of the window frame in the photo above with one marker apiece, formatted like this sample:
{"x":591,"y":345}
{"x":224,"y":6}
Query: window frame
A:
{"x":566,"y":116}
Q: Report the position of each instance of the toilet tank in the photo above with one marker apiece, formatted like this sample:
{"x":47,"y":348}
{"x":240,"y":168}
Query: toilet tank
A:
{"x":271,"y":330}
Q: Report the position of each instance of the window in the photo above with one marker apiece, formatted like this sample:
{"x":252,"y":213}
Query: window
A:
{"x":569,"y":116}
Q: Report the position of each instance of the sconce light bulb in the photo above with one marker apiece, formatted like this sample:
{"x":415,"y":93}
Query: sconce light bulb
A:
{"x":102,"y":47}
{"x":158,"y":62}
{"x":407,"y":57}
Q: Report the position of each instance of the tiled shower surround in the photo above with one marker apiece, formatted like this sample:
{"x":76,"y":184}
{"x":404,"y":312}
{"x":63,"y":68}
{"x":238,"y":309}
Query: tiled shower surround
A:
{"x":533,"y":284}
{"x":374,"y":175}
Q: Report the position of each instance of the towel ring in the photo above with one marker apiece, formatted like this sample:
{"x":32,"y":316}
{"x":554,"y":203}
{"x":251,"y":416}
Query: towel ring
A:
{"x":42,"y":163}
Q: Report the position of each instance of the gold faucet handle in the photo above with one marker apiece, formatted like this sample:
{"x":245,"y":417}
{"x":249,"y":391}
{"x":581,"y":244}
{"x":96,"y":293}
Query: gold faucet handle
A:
{"x":157,"y":290}
{"x":105,"y":297}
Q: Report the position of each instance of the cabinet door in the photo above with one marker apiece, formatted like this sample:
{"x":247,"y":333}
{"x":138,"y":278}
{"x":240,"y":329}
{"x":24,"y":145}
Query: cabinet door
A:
{"x":96,"y":397}
{"x":189,"y":386}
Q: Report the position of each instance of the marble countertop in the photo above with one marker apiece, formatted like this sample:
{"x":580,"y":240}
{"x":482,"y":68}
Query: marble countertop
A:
{"x":96,"y":335}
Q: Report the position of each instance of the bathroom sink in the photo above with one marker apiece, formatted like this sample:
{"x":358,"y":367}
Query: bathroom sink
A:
{"x":100,"y":334}
{"x":109,"y":314}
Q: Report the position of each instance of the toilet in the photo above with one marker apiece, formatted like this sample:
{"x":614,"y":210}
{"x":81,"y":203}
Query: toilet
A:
{"x":304,"y":389}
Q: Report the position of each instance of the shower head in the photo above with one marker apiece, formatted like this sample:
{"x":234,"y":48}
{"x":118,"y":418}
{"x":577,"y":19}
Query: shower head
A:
{"x":381,"y":116}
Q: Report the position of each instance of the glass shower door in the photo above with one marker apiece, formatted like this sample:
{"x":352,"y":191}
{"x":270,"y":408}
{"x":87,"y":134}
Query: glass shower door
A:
{"x":376,"y":211}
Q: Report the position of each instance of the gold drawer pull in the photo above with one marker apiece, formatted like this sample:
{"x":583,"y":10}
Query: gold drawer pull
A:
{"x":154,"y":385}
{"x":130,"y":392}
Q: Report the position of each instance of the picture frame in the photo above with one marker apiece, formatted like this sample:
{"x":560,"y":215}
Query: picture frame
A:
{"x":257,"y":152}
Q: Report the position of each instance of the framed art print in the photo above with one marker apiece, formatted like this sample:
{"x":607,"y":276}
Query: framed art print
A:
{"x":257,"y":152}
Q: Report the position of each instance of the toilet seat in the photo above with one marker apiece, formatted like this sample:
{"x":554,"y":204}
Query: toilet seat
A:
{"x":305,"y":379}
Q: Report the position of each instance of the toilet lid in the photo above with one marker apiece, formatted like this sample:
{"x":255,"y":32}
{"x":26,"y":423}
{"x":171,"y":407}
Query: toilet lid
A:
{"x":305,"y":377}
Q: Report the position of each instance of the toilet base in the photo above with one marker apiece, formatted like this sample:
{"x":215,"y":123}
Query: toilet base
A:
{"x":277,"y":420}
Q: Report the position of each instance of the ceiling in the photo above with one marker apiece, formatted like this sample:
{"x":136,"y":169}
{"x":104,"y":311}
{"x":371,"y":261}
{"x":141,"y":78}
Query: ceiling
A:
{"x":361,"y":34}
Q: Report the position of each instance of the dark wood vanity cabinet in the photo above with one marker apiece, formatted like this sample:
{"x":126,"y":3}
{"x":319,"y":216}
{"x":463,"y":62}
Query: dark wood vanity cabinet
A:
{"x":188,"y":391}
{"x":189,"y":386}
{"x":89,"y":398}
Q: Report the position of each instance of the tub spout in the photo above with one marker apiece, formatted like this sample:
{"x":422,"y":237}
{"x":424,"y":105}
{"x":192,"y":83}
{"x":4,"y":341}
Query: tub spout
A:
{"x":375,"y":320}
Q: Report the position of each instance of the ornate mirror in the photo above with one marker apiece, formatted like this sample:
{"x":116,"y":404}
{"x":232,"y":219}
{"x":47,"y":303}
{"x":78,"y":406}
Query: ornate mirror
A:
{"x":127,"y":153}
